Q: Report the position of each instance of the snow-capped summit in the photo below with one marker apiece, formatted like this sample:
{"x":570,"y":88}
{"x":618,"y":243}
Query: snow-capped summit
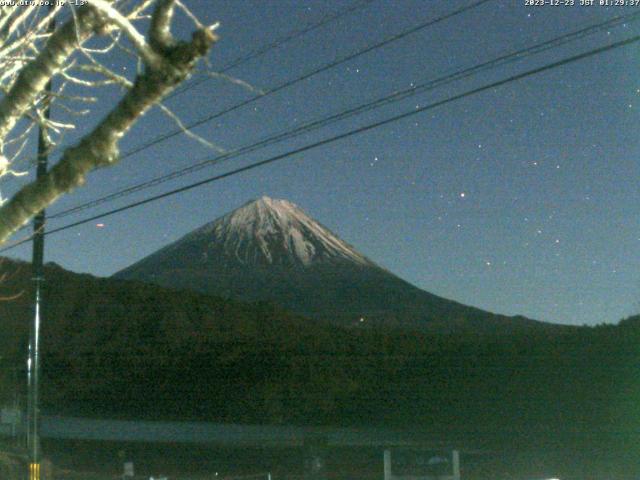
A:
{"x":270,"y":231}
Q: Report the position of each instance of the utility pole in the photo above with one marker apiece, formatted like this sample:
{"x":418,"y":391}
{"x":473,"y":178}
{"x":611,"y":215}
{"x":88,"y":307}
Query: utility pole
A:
{"x":33,"y":364}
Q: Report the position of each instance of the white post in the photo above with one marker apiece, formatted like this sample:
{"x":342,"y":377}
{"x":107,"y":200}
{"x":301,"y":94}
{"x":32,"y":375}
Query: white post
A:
{"x":456,"y":464}
{"x":387,"y":465}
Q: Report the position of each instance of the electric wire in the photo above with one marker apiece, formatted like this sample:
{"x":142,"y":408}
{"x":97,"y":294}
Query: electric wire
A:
{"x":288,"y":83}
{"x":333,"y":118}
{"x":275,"y":44}
{"x":305,"y":76}
{"x":255,"y":53}
{"x":350,"y":133}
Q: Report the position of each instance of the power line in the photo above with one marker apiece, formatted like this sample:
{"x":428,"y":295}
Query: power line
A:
{"x":259,"y":51}
{"x":307,"y":75}
{"x":348,"y":134}
{"x":277,"y":43}
{"x":289,"y":83}
{"x":394,"y":97}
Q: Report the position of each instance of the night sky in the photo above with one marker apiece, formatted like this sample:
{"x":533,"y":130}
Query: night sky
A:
{"x":519,"y":200}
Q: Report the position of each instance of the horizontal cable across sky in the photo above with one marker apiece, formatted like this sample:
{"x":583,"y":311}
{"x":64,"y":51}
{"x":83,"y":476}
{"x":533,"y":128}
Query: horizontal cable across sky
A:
{"x":342,"y":136}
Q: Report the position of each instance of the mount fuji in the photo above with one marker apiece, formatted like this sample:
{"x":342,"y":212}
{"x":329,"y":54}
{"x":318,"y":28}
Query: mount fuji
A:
{"x":270,"y":250}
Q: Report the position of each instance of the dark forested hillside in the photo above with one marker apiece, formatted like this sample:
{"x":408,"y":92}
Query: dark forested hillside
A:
{"x":115,"y":348}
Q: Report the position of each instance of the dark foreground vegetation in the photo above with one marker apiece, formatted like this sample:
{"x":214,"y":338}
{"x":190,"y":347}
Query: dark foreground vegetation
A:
{"x":127,"y":350}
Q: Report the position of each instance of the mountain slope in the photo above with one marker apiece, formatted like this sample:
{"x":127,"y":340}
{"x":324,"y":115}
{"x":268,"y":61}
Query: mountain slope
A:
{"x":270,"y":250}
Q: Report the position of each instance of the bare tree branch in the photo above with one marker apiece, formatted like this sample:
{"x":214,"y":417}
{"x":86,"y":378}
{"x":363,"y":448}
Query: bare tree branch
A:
{"x":147,"y":53}
{"x":160,"y":37}
{"x":174,"y":62}
{"x":202,"y":141}
{"x":34,"y":77}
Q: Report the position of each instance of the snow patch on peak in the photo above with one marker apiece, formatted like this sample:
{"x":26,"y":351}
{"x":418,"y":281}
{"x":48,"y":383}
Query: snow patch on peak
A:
{"x":276,"y":231}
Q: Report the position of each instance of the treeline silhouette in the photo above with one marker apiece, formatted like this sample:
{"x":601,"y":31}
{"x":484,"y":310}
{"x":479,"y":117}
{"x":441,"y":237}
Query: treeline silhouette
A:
{"x":130,"y":350}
